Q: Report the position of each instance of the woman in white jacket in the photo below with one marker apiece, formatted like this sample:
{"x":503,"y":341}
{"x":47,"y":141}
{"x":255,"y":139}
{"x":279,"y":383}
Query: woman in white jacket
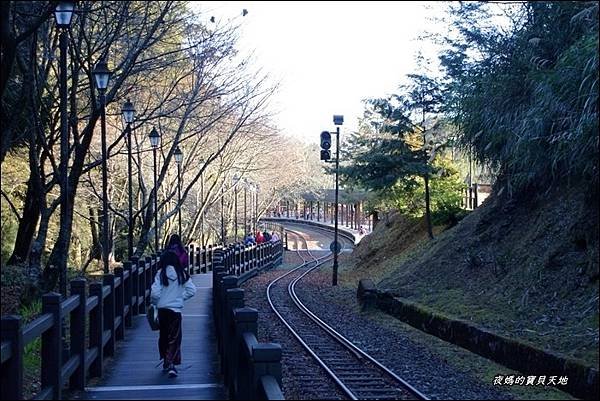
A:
{"x":172,"y":285}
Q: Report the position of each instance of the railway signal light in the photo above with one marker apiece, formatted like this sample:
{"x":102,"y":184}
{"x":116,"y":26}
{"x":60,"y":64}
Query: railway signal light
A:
{"x":325,"y":145}
{"x":325,"y":140}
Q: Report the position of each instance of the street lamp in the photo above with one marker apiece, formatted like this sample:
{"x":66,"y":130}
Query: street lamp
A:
{"x":235,"y":180}
{"x":251,"y":189}
{"x":245,"y":207}
{"x":101,"y":77}
{"x":62,"y":14}
{"x":256,"y":207}
{"x":202,"y":197}
{"x":223,"y":213}
{"x":128,"y":115}
{"x":178,"y":154}
{"x":154,"y":137}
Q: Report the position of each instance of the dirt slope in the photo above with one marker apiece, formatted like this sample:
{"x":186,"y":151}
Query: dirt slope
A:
{"x":528,"y":270}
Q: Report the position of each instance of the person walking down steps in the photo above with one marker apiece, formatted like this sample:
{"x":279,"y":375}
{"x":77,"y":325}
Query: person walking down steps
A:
{"x":172,"y":286}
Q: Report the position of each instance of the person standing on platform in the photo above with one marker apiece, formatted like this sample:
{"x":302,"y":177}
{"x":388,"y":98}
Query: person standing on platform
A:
{"x":172,"y":286}
{"x":177,"y":247}
{"x":266,"y":236}
{"x":249,"y":240}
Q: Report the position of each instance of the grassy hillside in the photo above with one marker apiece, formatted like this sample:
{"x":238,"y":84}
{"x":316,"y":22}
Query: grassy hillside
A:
{"x":527,"y":270}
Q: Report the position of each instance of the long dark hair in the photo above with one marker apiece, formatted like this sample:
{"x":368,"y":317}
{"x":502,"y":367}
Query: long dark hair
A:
{"x":174,"y":240}
{"x":169,"y":258}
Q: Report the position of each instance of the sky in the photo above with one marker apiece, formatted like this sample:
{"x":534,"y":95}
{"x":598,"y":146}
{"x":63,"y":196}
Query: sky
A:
{"x":328,"y":56}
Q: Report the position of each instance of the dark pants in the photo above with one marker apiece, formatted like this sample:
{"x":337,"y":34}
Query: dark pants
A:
{"x":169,"y":341}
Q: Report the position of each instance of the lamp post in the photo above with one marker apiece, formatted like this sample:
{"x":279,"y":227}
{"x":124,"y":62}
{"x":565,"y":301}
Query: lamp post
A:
{"x":223,"y":214}
{"x":256,"y":208}
{"x":154,"y":137}
{"x":202,"y":197}
{"x":245,"y":207}
{"x":102,"y":76}
{"x":178,"y":159}
{"x":236,"y":179}
{"x":63,"y":14}
{"x":251,"y":189}
{"x":128,"y":115}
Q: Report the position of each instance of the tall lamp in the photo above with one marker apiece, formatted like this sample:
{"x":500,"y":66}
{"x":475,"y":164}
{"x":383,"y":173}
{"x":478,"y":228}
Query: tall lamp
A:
{"x":154,"y":137}
{"x":63,"y":14}
{"x":102,"y":76}
{"x":128,"y":115}
{"x":178,"y":154}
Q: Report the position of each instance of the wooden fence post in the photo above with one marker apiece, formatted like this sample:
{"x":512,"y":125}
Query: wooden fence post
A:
{"x":109,"y":313}
{"x":78,"y":324}
{"x":12,"y":370}
{"x":234,"y":300}
{"x":245,"y":320}
{"x":52,"y":346}
{"x":127,"y":293}
{"x":97,"y":330}
{"x":190,"y":252}
{"x":119,"y":304}
{"x":148,"y":276}
{"x":141,"y":281}
{"x":227,"y":283}
{"x":135,"y":268}
{"x":266,"y":360}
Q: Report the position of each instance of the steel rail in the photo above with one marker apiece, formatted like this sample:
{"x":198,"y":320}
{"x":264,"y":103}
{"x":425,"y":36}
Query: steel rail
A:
{"x":358,"y":353}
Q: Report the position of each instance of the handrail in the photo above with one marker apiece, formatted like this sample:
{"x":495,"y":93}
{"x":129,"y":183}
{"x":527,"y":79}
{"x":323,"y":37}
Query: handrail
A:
{"x":37,"y":327}
{"x":5,"y":351}
{"x":69,"y":304}
{"x":269,"y":388}
{"x":100,"y":311}
{"x":251,"y":370}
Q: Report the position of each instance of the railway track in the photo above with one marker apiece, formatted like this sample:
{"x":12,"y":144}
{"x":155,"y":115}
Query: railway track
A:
{"x":356,"y":374}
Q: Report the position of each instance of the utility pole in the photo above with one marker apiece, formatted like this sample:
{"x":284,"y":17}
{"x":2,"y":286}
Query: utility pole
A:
{"x":326,"y":156}
{"x":337,"y":184}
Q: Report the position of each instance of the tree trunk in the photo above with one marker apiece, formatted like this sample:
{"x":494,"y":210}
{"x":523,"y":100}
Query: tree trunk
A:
{"x":60,"y":251}
{"x":50,"y":274}
{"x":427,"y":207}
{"x":147,"y":220}
{"x":95,"y":253}
{"x":61,"y":247}
{"x":27,"y":225}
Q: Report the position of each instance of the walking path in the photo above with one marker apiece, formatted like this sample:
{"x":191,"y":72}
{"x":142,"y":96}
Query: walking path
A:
{"x":137,"y":374}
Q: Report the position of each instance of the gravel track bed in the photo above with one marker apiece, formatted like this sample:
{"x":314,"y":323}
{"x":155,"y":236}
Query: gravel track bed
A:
{"x":303,"y":377}
{"x":411,"y":361}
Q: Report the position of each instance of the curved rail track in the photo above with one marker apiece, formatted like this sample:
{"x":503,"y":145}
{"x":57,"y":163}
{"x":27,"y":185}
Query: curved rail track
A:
{"x":356,"y":373}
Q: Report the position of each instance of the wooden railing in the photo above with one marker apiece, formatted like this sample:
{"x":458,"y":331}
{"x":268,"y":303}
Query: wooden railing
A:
{"x":200,"y":258}
{"x":100,"y":315}
{"x":251,"y":370}
{"x":243,"y":260}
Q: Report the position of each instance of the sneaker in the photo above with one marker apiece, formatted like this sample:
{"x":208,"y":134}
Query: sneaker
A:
{"x":172,"y":371}
{"x":165,"y":367}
